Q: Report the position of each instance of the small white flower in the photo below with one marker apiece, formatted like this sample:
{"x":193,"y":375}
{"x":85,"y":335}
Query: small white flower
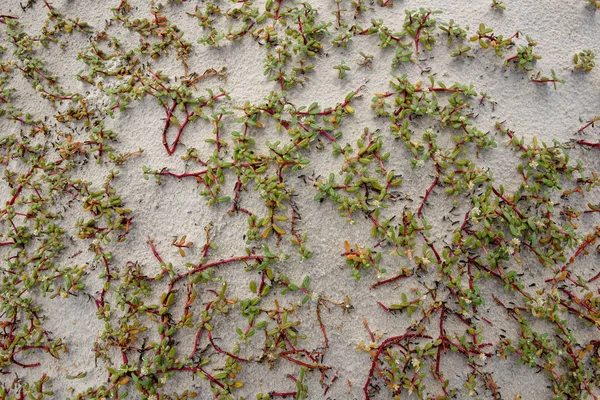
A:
{"x":152,"y":397}
{"x":163,"y":379}
{"x":515,"y":241}
{"x":288,"y":107}
{"x":315,"y":296}
{"x":279,"y":49}
{"x":510,"y":250}
{"x":470,"y":185}
{"x":475,"y":212}
{"x":482,"y":356}
{"x":425,"y":261}
{"x":539,"y":302}
{"x":144,"y":371}
{"x":419,"y":163}
{"x":415,"y":363}
{"x":423,"y":298}
{"x":462,"y":118}
{"x":467,"y":300}
{"x":533,"y":164}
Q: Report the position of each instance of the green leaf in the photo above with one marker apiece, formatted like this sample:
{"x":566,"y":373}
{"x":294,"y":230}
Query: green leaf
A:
{"x":306,"y":282}
{"x":174,"y":120}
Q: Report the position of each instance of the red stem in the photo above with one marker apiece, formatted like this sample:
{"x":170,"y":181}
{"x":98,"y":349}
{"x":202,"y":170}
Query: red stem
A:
{"x":429,"y":189}
{"x":394,"y":279}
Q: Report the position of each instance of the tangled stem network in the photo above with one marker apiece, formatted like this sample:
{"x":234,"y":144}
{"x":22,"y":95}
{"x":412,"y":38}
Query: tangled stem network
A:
{"x":480,"y":242}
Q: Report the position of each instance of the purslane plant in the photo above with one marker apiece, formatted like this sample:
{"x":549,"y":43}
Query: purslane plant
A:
{"x":498,"y":5}
{"x":148,"y":309}
{"x":554,"y":79}
{"x":584,"y":60}
{"x":525,"y":56}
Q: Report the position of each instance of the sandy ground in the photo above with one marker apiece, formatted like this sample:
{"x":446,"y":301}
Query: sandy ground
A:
{"x":174,"y":208}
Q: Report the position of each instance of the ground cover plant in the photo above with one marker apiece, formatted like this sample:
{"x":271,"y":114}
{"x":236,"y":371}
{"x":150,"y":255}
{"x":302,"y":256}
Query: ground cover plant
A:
{"x":283,"y":199}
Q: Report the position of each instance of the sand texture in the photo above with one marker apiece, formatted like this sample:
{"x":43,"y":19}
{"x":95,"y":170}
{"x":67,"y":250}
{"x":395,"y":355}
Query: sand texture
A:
{"x":284,"y":199}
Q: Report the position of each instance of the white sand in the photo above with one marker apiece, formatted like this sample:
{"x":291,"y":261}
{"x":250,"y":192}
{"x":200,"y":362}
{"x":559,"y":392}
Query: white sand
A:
{"x":174,"y":208}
